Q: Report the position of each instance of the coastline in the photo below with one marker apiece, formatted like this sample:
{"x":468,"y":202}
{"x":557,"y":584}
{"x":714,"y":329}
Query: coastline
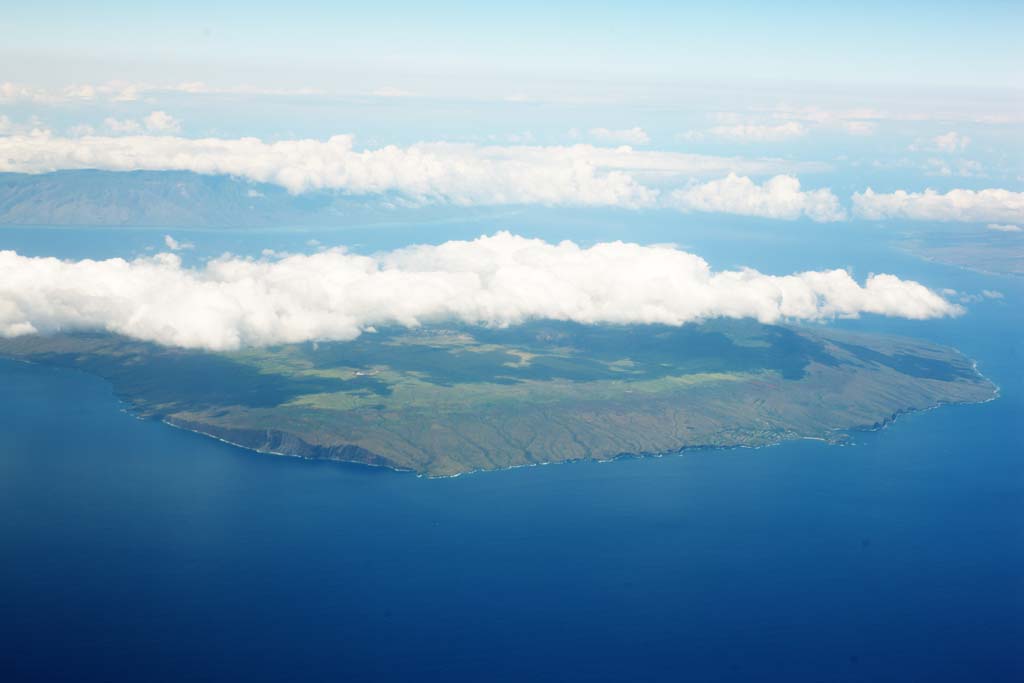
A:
{"x":282,"y":443}
{"x":841,"y":439}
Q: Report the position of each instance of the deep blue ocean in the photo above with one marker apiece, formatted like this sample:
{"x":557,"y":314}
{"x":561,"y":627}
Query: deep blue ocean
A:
{"x":134,"y":551}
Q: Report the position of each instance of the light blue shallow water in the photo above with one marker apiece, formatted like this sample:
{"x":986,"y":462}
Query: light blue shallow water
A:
{"x":136,"y":551}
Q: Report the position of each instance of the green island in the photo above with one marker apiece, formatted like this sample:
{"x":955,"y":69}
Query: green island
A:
{"x":442,"y":401}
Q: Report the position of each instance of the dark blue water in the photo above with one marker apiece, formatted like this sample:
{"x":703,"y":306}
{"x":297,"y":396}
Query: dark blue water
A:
{"x":133,"y":551}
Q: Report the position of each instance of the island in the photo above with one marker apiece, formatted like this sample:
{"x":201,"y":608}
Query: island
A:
{"x":998,"y":250}
{"x":450,"y":399}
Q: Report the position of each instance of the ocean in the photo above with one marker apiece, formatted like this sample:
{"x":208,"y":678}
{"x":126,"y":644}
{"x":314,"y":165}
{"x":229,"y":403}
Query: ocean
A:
{"x":135,"y":551}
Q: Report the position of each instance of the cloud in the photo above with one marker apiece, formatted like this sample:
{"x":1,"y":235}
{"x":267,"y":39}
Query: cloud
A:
{"x":1004,"y":227}
{"x":841,"y":118}
{"x":156,"y":122}
{"x":162,"y":122}
{"x":779,"y":197}
{"x":965,"y":168}
{"x":14,"y":92}
{"x":785,"y":123}
{"x":122,"y":125}
{"x":33,"y":126}
{"x":951,"y":142}
{"x":627,"y":136}
{"x":764,"y":126}
{"x":760,"y":133}
{"x":461,"y":174}
{"x":81,"y":130}
{"x":859,"y":127}
{"x":200,"y":88}
{"x":113,"y":91}
{"x":827,"y":117}
{"x":82,"y":92}
{"x":691,"y":136}
{"x":175,"y":245}
{"x":120,"y":91}
{"x":971,"y":206}
{"x":499,"y":280}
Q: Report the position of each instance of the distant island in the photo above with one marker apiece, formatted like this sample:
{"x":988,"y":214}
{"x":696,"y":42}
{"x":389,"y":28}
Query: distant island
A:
{"x":448,"y":400}
{"x":171,"y":199}
{"x":992,"y":251}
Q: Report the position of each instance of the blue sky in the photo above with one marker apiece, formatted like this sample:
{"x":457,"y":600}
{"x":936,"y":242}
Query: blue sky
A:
{"x":517,"y":45}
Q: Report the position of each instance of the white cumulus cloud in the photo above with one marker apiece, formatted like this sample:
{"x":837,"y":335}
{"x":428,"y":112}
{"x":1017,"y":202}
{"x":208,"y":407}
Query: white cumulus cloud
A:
{"x":175,"y":245}
{"x":14,"y":92}
{"x":951,"y":142}
{"x":499,"y":280}
{"x":948,"y":143}
{"x":965,"y":168}
{"x":155,"y":122}
{"x":778,"y":197}
{"x":1004,"y":227}
{"x":956,"y":205}
{"x":462,"y":174}
{"x":162,"y":122}
{"x":122,"y":125}
{"x":859,"y":121}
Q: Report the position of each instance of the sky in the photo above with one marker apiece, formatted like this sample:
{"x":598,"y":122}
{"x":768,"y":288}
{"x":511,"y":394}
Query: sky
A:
{"x":886,"y":114}
{"x":517,"y":45}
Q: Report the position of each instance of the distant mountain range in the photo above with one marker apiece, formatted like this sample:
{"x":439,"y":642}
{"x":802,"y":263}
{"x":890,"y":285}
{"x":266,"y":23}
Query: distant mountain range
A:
{"x":166,"y":199}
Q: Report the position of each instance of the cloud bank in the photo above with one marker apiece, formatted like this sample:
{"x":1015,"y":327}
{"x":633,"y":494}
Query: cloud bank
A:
{"x":779,"y":197}
{"x":503,"y":279}
{"x":121,"y":91}
{"x":969,"y":206}
{"x":460,"y":174}
{"x":785,"y":123}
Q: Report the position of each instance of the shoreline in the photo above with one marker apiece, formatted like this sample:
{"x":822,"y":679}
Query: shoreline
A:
{"x":840,"y":442}
{"x":841,"y":437}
